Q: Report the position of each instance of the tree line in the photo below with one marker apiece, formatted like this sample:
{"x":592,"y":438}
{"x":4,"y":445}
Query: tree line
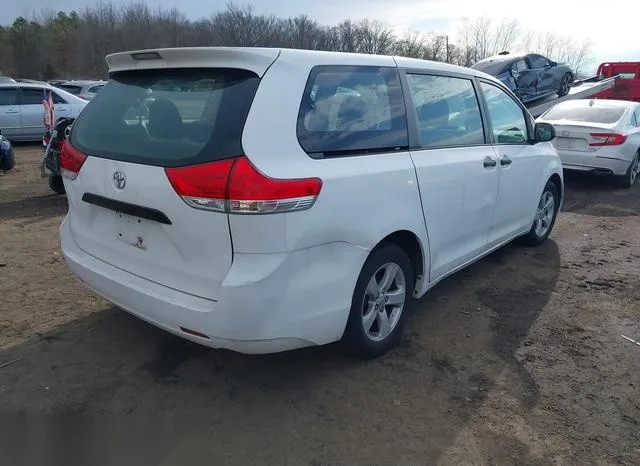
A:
{"x":68,"y":45}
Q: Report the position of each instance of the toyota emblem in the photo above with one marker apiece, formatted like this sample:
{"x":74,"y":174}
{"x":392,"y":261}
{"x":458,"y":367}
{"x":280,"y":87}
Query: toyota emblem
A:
{"x":119,"y":180}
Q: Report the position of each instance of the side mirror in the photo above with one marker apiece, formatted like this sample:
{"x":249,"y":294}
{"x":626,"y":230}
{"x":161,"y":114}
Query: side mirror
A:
{"x":544,"y":132}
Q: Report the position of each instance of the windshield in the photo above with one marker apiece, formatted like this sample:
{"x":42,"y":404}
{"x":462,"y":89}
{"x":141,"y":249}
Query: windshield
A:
{"x":591,"y":114}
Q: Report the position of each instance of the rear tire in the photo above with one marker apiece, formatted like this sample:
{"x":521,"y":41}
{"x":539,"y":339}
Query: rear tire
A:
{"x":546,"y":214}
{"x":379,"y":303}
{"x":56,"y":184}
{"x":628,"y":179}
{"x":565,"y":85}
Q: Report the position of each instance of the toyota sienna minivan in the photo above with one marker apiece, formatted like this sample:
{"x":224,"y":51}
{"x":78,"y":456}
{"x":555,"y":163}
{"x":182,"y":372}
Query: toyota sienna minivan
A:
{"x":262,"y":200}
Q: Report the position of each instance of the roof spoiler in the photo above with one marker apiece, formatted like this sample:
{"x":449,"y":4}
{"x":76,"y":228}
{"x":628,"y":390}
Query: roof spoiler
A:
{"x":253,"y":59}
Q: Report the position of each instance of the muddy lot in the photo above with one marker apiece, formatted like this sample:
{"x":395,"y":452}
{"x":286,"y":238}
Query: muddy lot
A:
{"x":516,"y":360}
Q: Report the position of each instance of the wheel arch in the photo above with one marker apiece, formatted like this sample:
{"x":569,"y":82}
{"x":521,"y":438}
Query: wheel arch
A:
{"x":557,"y":180}
{"x":416,"y":251}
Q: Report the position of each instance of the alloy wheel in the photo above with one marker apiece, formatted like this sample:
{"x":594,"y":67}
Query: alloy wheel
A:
{"x":383,"y":301}
{"x":544,"y":214}
{"x":566,"y":85}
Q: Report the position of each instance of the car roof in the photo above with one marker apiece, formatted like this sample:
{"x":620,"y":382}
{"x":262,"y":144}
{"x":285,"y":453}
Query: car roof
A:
{"x":503,"y":58}
{"x":26,"y":85}
{"x":259,"y":58}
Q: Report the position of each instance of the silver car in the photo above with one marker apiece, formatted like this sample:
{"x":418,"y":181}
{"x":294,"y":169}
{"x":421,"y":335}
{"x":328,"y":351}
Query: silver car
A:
{"x":601,"y":136}
{"x":22,"y":112}
{"x":84,"y":89}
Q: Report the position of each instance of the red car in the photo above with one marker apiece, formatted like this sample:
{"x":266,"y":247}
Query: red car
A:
{"x":625,"y":88}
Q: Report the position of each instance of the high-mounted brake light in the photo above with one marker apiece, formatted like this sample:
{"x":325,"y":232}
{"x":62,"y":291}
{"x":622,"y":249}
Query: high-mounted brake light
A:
{"x":71,"y":161}
{"x":607,"y":139}
{"x":236,"y":186}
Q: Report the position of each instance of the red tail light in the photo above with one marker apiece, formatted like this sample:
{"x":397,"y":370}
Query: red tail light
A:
{"x":71,"y":161}
{"x":236,"y":186}
{"x":607,"y":139}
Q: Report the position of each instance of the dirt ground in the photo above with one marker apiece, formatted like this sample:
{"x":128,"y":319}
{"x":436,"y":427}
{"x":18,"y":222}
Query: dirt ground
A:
{"x":517,"y":360}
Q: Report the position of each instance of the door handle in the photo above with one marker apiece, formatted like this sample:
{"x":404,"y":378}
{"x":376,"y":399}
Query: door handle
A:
{"x":489,"y":162}
{"x":12,"y":110}
{"x":505,"y":160}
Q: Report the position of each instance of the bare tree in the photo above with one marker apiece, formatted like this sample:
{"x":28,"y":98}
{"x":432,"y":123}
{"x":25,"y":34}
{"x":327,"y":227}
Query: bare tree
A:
{"x":375,"y":37}
{"x":77,"y":42}
{"x":504,"y":36}
{"x":410,"y":44}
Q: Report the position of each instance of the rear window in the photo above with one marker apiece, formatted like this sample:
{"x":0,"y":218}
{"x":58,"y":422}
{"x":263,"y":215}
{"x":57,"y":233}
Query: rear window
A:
{"x":95,"y":89}
{"x":167,"y":118}
{"x":350,"y":110}
{"x":493,"y":68}
{"x":75,"y":90}
{"x":594,"y":114}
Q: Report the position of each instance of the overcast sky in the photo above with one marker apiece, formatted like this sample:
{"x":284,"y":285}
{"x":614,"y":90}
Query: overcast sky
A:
{"x":613,"y":33}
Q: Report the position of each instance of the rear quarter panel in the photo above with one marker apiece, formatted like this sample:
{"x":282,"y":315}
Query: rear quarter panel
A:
{"x":363,"y":198}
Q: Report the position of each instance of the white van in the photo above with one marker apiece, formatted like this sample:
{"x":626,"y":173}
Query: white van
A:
{"x":262,"y":200}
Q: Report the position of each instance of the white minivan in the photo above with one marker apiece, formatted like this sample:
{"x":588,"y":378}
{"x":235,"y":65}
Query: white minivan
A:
{"x":262,"y":200}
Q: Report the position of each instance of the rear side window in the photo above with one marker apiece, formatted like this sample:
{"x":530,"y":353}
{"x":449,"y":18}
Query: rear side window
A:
{"x":350,"y":110}
{"x":168,"y":118}
{"x":57,"y":99}
{"x":31,"y":96}
{"x":590,"y":114}
{"x":494,"y":68}
{"x":447,"y":111}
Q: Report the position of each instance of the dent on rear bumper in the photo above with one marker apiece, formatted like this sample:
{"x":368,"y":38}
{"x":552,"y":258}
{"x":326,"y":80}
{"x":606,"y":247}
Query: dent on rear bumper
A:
{"x":267,"y":303}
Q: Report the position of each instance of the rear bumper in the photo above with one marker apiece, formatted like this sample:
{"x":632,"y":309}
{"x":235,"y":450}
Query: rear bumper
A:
{"x":591,"y":163}
{"x":267,"y":303}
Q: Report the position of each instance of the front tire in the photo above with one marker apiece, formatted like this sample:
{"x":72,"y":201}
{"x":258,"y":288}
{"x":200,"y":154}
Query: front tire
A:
{"x":378,"y":307}
{"x":56,"y":184}
{"x":546,"y":214}
{"x":628,"y":179}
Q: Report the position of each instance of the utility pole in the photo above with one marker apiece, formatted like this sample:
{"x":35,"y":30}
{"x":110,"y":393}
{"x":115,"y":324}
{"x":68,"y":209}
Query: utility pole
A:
{"x":446,"y":48}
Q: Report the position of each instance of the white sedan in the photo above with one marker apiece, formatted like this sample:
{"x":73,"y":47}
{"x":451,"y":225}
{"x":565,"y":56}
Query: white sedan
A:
{"x":599,"y":136}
